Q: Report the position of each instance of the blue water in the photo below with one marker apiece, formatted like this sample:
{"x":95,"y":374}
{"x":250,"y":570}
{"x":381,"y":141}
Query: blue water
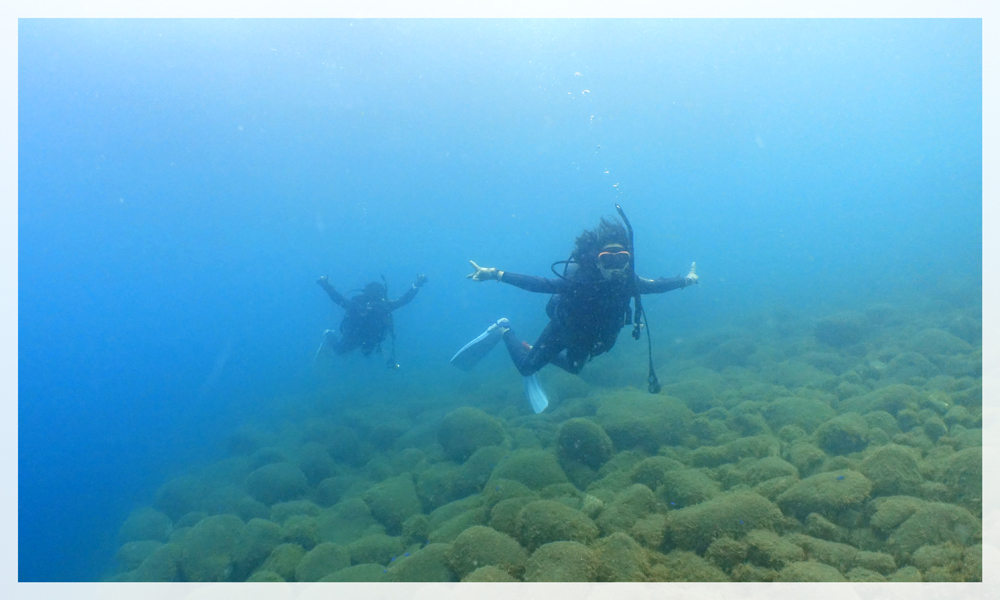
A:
{"x":182,"y":184}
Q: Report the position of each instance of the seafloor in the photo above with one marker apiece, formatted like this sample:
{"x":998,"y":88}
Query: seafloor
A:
{"x":843,"y":446}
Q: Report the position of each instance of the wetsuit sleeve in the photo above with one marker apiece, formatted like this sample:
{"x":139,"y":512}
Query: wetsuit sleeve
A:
{"x":663,"y":284}
{"x":404,"y":299}
{"x":334,"y":294}
{"x":530,"y":283}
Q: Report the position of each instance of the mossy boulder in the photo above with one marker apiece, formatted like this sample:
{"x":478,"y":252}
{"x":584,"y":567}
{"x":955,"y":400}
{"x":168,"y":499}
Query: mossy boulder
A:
{"x":697,"y":394}
{"x":324,"y":559}
{"x":583,"y":441}
{"x":302,"y":530}
{"x":810,"y":571}
{"x":650,"y":472}
{"x":467,"y":429}
{"x":208,"y":551}
{"x":534,"y":468}
{"x":620,"y":558}
{"x":476,"y":470}
{"x":891,"y":399}
{"x":346,"y":521}
{"x":726,"y":552}
{"x":890,"y":511}
{"x":805,"y":456}
{"x":501,"y":489}
{"x":145,"y":523}
{"x":450,"y":529}
{"x":637,"y":420}
{"x":393,"y":501}
{"x":893,"y":470}
{"x":504,"y":514}
{"x":132,"y":554}
{"x":266,"y":577}
{"x":277,"y":482}
{"x":686,"y":487}
{"x":769,"y":467}
{"x":843,"y":434}
{"x":935,"y":523}
{"x":368,"y":572}
{"x":842,"y":329}
{"x":180,"y":496}
{"x":435,"y":484}
{"x":938,"y":342}
{"x":683,"y":565}
{"x":829,"y":494}
{"x":807,"y":413}
{"x":732,"y":513}
{"x":489,"y":574}
{"x":632,"y":504}
{"x":480,"y":546}
{"x":768,"y":549}
{"x":160,"y":565}
{"x":429,"y":563}
{"x":377,"y":548}
{"x":963,"y":474}
{"x":544,"y":521}
{"x":283,"y":560}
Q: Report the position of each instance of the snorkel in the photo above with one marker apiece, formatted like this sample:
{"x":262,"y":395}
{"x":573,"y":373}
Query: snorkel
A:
{"x":654,"y":384}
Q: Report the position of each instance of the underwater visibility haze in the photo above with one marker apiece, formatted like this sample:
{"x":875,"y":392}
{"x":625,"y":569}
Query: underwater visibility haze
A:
{"x":184,"y":183}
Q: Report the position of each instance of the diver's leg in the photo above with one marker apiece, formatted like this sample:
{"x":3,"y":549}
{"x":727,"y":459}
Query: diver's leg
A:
{"x":345,"y":345}
{"x":529,"y":361}
{"x":571,"y":362}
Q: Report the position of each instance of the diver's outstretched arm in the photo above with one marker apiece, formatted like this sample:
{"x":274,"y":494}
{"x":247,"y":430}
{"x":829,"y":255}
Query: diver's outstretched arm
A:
{"x":666,"y":284}
{"x":525,"y":282}
{"x":324,"y":282}
{"x":410,"y":293}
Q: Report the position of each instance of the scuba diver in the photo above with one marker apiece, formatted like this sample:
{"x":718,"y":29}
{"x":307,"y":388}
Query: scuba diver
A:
{"x":367,"y":321}
{"x":589,"y":306}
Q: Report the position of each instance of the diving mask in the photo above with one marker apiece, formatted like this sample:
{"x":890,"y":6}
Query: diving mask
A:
{"x":614,"y":261}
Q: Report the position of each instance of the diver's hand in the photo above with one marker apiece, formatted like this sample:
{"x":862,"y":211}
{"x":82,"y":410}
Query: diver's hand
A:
{"x":421,"y":280}
{"x":323,"y":281}
{"x":482,"y":273}
{"x":691,"y":278}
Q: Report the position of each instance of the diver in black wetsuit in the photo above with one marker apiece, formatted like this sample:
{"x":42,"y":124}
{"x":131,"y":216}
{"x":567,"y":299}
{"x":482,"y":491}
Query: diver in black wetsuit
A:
{"x":368,"y":319}
{"x":590,"y":304}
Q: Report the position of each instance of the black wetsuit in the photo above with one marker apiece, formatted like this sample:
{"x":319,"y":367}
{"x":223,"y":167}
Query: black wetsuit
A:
{"x":586,"y":317}
{"x":367,"y":321}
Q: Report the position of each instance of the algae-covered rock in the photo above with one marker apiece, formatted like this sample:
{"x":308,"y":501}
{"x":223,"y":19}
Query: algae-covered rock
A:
{"x":726,"y":553}
{"x":501,"y":489}
{"x":963,"y":474}
{"x":480,"y":546}
{"x":489,"y":574}
{"x":620,"y":558}
{"x":132,"y":554}
{"x":747,"y":572}
{"x":757,"y":446}
{"x":429,"y":563}
{"x":650,"y":472}
{"x":377,"y":548}
{"x":476,"y":470}
{"x":768,"y":549}
{"x":628,"y":507}
{"x":467,"y":429}
{"x":160,"y":565}
{"x":649,"y":531}
{"x":265,"y":577}
{"x":810,"y":571}
{"x":686,"y":487}
{"x":842,"y":329}
{"x":807,"y":413}
{"x":544,"y":521}
{"x":452,"y":528}
{"x":180,"y":496}
{"x":583,"y":441}
{"x":840,"y":556}
{"x":145,"y":523}
{"x":435,"y":484}
{"x":937,"y":342}
{"x":345,"y":522}
{"x":281,"y":511}
{"x":315,"y":462}
{"x":862,"y":575}
{"x":534,"y":468}
{"x":732,"y":513}
{"x":415,"y":529}
{"x":891,"y":399}
{"x":804,"y":456}
{"x":368,"y":572}
{"x":505,"y":514}
{"x":907,"y":574}
{"x":393,"y":501}
{"x":208,"y":551}
{"x":283,"y":560}
{"x":682,"y":565}
{"x":893,"y":471}
{"x":260,"y":537}
{"x":562,"y":561}
{"x":935,"y":523}
{"x":697,"y":394}
{"x":891,"y":511}
{"x":322,"y":560}
{"x":769,"y":467}
{"x":301,"y":530}
{"x":828,"y":494}
{"x":843,"y":434}
{"x":277,"y":482}
{"x":637,"y":420}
